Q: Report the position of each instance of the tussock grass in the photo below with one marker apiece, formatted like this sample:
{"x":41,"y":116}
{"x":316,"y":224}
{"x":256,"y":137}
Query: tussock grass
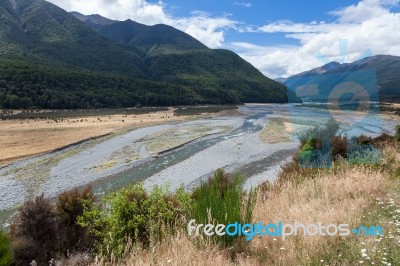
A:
{"x":277,"y":130}
{"x":354,"y":194}
{"x":179,"y":250}
{"x":344,"y":194}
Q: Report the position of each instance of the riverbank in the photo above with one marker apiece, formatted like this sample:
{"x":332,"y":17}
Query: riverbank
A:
{"x":78,"y":165}
{"x":30,"y":133}
{"x":349,"y":194}
{"x":175,"y":153}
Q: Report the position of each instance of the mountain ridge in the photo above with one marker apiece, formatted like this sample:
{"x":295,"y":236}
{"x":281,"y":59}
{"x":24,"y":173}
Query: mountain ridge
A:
{"x":148,"y":38}
{"x":51,"y":59}
{"x":385,"y":66}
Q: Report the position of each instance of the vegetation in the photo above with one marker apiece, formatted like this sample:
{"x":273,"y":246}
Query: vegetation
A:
{"x":197,"y":110}
{"x":69,"y":207}
{"x":77,"y":113}
{"x":42,"y":231}
{"x":153,"y":39}
{"x":357,"y":194}
{"x":34,"y":232}
{"x":133,"y":216}
{"x":58,"y":62}
{"x":136,"y":227}
{"x":128,"y":219}
{"x":319,"y":145}
{"x":397,"y":136}
{"x":5,"y":250}
{"x":220,"y":200}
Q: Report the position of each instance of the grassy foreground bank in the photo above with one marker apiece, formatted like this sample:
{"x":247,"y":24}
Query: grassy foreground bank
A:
{"x":134,"y":227}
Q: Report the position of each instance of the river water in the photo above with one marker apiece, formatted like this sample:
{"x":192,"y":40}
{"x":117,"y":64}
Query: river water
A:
{"x":217,"y":150}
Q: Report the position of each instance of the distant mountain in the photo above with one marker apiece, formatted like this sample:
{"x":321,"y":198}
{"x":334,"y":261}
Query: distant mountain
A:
{"x":52,"y":59}
{"x":387,"y":70}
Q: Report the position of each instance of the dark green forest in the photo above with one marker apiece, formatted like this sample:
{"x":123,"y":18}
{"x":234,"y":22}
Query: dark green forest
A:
{"x":51,"y":59}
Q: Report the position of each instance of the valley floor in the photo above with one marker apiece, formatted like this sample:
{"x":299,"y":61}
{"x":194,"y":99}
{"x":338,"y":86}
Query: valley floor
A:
{"x":255,"y":141}
{"x":21,"y":138}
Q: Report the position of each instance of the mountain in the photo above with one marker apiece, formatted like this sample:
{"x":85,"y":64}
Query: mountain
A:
{"x":93,"y":19}
{"x":174,"y":56}
{"x":40,"y":32}
{"x":53,"y":59}
{"x":386,"y":68}
{"x":153,"y":39}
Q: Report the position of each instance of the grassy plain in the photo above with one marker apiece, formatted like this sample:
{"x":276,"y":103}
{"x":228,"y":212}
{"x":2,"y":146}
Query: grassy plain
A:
{"x":24,"y":135}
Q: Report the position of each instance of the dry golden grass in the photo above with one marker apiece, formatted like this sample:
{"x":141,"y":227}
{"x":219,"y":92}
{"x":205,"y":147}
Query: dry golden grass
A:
{"x":336,"y":196}
{"x":277,"y":130}
{"x":180,"y":250}
{"x":341,"y":195}
{"x":23,"y":138}
{"x":171,"y":138}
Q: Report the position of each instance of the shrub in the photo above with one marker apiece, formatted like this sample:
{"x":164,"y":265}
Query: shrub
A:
{"x":24,"y":251}
{"x":34,"y":231}
{"x":364,"y":140}
{"x":220,"y":201}
{"x":397,"y":135}
{"x":366,"y":154}
{"x":320,"y":134}
{"x":339,"y":147}
{"x":5,"y":252}
{"x":308,"y":153}
{"x":132,"y":214}
{"x":70,"y":206}
{"x":320,"y":145}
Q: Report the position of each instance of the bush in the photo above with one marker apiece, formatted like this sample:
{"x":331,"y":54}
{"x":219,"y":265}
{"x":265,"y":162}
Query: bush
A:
{"x":5,"y":252}
{"x":339,"y":147}
{"x":34,"y":232}
{"x":320,"y":145}
{"x":24,"y":251}
{"x":308,"y":153}
{"x":397,"y":135}
{"x":132,"y":214}
{"x":220,"y":201}
{"x":319,"y":135}
{"x":70,"y":206}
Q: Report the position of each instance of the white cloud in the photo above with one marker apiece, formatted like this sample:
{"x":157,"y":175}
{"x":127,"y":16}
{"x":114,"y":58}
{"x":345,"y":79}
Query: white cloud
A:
{"x":242,"y":4}
{"x":364,"y":10}
{"x":275,"y":61}
{"x":207,"y":29}
{"x":368,"y":25}
{"x":138,"y":10}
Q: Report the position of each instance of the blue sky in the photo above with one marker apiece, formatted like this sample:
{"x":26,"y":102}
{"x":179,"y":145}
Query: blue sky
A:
{"x":258,"y":13}
{"x":279,"y":37}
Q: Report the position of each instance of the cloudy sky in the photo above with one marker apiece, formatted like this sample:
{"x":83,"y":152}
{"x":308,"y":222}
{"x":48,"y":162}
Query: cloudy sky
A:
{"x":279,"y":37}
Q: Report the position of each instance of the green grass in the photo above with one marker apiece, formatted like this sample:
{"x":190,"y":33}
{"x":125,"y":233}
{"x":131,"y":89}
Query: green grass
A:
{"x":5,"y":251}
{"x":64,"y":114}
{"x":198,"y":110}
{"x":220,"y":201}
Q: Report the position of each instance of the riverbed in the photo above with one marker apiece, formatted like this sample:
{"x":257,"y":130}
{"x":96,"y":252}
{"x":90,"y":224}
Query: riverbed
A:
{"x":174,"y":154}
